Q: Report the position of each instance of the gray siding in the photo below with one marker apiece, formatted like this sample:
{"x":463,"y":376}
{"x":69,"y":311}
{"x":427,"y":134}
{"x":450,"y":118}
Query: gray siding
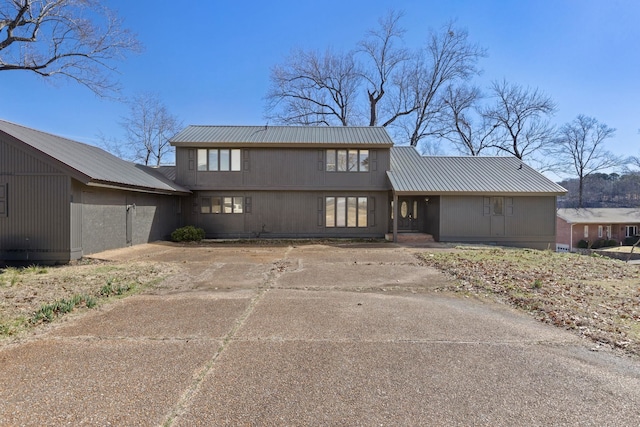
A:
{"x":433,"y":217}
{"x":528,"y":221}
{"x":36,"y":225}
{"x":291,"y":214}
{"x":114,"y":219}
{"x":282,"y":168}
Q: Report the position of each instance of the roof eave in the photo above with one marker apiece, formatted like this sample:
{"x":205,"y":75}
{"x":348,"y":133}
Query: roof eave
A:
{"x":140,"y":189}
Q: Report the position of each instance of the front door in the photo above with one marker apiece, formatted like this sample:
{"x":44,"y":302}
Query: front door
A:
{"x":407,"y":214}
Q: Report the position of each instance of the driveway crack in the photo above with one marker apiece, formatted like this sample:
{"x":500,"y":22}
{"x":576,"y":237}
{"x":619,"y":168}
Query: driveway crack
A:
{"x":185,"y":400}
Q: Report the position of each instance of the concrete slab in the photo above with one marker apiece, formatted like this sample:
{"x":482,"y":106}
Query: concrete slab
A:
{"x":338,"y":316}
{"x":209,"y":316}
{"x":97,"y":382}
{"x":380,"y":383}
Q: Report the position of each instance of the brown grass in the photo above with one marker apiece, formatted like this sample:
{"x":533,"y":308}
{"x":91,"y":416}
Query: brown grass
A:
{"x":596,"y":297}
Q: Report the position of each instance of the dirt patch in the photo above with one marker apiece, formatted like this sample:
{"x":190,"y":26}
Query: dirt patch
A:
{"x":24,"y":292}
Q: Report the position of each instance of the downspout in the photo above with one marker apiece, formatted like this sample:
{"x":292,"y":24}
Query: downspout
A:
{"x":395,"y":217}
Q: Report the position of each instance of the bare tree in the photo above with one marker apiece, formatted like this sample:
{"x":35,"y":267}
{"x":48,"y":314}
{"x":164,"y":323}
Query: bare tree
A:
{"x":148,"y":128}
{"x":391,"y":86}
{"x":522,"y":118}
{"x":76,"y":39}
{"x":580,"y":147}
{"x":385,"y":60}
{"x":447,"y":59}
{"x":314,"y":89}
{"x":463,"y":125}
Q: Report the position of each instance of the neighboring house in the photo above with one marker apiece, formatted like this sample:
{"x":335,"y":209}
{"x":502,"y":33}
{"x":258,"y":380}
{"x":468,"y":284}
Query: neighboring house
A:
{"x":61,"y":199}
{"x":278,"y":181}
{"x":591,"y":224}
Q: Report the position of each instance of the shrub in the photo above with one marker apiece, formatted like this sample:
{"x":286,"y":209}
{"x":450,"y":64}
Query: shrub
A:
{"x":583,"y":244}
{"x":611,"y":243}
{"x":630,"y":241}
{"x":598,"y":244}
{"x":188,"y":234}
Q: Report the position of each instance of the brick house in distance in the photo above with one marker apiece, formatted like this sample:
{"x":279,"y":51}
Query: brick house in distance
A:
{"x":591,"y":224}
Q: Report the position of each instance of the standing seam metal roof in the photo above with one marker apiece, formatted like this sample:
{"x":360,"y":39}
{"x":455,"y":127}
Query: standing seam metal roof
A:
{"x":412,"y":173}
{"x":93,"y":162}
{"x":283,"y":135}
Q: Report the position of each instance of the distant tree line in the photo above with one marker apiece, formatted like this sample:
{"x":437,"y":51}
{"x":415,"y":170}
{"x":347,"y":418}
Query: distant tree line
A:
{"x":603,"y":190}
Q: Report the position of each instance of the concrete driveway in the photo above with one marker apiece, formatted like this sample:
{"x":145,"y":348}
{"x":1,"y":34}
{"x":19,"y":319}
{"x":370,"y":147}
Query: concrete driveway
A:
{"x":309,"y":335}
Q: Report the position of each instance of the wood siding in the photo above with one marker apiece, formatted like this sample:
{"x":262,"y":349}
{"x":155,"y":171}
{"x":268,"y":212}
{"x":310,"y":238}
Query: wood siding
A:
{"x":291,"y":214}
{"x":282,"y":169}
{"x":36,"y":224}
{"x":526,"y":222}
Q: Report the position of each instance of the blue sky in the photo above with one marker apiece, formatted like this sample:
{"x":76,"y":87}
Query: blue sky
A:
{"x":210,"y":61}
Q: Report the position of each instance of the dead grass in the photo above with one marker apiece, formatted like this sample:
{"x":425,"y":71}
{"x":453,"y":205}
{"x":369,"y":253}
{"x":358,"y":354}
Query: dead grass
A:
{"x":594,"y":296}
{"x":26,"y":291}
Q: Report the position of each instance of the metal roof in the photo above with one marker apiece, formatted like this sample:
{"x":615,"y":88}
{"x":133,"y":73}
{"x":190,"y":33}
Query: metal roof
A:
{"x":600,"y":215}
{"x":93,"y":165}
{"x":412,"y":173}
{"x":282,"y":135}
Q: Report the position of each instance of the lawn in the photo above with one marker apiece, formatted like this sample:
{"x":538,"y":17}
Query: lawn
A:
{"x":35,"y":295}
{"x":596,"y":297}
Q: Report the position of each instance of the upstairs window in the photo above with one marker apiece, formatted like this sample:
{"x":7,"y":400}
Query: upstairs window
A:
{"x":347,"y":160}
{"x":219,"y":159}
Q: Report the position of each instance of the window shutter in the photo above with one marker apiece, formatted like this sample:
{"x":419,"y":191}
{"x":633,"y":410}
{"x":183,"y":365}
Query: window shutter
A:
{"x":486,"y":210}
{"x":245,"y":160}
{"x":320,"y":211}
{"x":247,"y":204}
{"x":3,"y":200}
{"x":508,"y":204}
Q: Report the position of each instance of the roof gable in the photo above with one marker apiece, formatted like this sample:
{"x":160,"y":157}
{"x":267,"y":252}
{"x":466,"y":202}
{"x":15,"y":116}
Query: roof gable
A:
{"x":89,"y":164}
{"x":282,"y":136}
{"x":412,"y":173}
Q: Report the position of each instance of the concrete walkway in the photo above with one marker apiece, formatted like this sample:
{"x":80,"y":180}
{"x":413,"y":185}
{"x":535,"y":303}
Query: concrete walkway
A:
{"x":309,"y":335}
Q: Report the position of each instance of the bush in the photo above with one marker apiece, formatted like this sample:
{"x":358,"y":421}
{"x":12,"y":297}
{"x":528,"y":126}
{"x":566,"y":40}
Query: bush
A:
{"x":600,"y":243}
{"x":612,"y":243}
{"x":188,"y":234}
{"x":583,"y":244}
{"x":630,"y":241}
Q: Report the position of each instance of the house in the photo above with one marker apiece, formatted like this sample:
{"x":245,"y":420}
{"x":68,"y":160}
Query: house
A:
{"x":495,"y":200}
{"x":61,"y":199}
{"x":591,"y":224}
{"x":280,"y":181}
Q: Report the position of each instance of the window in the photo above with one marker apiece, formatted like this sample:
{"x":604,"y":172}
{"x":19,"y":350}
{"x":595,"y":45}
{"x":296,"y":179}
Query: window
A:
{"x":608,"y":231}
{"x":219,"y":159}
{"x":600,"y":231}
{"x":347,"y":160}
{"x":348,"y":212}
{"x":586,"y":231}
{"x":630,"y":230}
{"x":217,"y":205}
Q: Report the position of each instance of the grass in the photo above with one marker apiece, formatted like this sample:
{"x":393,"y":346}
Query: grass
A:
{"x":35,"y":295}
{"x":596,"y":297}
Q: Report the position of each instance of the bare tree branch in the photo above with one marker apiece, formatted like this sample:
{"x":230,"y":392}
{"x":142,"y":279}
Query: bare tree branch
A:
{"x":314,"y":89}
{"x":521,"y":115}
{"x":76,"y":39}
{"x":148,"y":128}
{"x":580,"y":147}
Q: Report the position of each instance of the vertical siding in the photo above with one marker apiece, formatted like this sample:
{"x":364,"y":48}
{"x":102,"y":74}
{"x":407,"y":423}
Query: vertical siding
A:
{"x":292,"y":214}
{"x":37,"y":226}
{"x":284,"y":168}
{"x":528,"y":221}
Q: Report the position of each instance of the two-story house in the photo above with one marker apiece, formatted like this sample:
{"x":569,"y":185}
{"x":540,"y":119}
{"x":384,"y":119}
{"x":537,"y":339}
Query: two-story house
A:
{"x":252,"y":181}
{"x":284,"y":181}
{"x":61,"y":199}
